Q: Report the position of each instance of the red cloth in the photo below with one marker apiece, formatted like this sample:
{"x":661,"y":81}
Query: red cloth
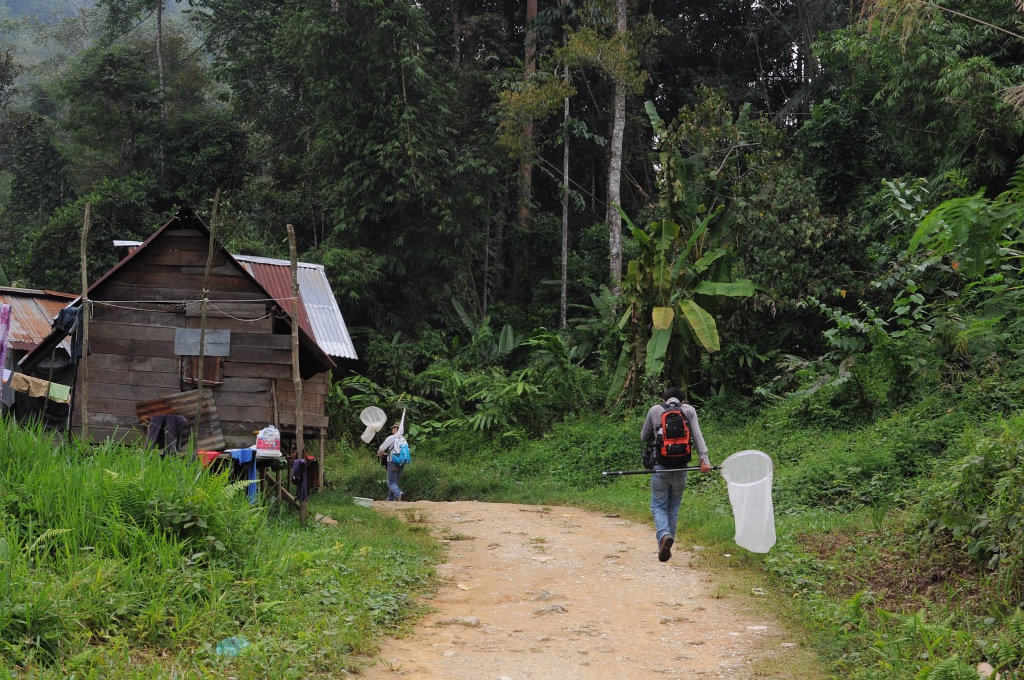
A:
{"x":207,"y":457}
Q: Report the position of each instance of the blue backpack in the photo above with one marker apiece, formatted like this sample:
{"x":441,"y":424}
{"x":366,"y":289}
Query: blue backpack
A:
{"x":400,"y":451}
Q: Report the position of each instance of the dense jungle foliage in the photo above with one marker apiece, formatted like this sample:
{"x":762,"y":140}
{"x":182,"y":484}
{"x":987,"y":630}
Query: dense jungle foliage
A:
{"x":806,"y":212}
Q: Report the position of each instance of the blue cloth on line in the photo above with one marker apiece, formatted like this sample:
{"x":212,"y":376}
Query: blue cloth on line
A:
{"x":246,"y":457}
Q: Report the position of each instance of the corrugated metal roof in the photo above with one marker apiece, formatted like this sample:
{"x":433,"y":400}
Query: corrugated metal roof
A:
{"x":319,"y":314}
{"x":32,"y":313}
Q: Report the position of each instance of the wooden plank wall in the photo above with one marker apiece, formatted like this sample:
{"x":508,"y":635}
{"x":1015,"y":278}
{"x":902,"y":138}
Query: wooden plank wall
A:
{"x":132,"y":339}
{"x":314,"y":396}
{"x":132,"y":360}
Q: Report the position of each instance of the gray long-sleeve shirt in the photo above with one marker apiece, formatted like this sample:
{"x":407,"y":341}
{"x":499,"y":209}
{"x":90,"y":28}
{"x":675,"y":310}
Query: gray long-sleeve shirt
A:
{"x":652,"y":423}
{"x":387,"y":447}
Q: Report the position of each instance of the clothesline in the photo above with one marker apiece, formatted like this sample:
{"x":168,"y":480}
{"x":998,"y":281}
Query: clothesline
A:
{"x":212,"y":304}
{"x":37,"y":387}
{"x":190,"y":301}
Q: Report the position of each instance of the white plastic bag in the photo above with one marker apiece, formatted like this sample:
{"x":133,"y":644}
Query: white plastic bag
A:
{"x":749,"y":477}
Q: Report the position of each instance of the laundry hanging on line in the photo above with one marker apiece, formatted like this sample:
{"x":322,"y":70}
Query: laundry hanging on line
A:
{"x":37,"y":387}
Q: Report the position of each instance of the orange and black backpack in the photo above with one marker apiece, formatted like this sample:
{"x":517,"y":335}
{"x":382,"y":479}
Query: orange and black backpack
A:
{"x":672,"y":441}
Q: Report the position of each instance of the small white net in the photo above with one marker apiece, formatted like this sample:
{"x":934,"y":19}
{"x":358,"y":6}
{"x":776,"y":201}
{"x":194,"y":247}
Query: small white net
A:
{"x":749,"y":477}
{"x":373,"y":418}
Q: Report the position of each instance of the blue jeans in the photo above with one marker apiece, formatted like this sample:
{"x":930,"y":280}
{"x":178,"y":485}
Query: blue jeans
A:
{"x":666,"y":494}
{"x":394,"y":474}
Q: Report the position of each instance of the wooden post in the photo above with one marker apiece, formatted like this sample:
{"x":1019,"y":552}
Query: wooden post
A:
{"x":202,"y":322}
{"x":320,"y":467}
{"x":49,"y":380}
{"x":296,"y":375}
{"x":84,"y":312}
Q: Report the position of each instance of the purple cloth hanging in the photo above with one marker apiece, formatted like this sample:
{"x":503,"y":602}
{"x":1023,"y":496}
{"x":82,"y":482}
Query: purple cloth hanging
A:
{"x":300,"y":478}
{"x":5,"y":330}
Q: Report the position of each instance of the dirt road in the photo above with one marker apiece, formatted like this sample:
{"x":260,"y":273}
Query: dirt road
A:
{"x":555,"y":592}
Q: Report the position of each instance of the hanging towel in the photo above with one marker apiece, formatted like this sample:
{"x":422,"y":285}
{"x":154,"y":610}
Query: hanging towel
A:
{"x":246,"y":458}
{"x":207,"y":457}
{"x":33,"y":387}
{"x":60,"y":393}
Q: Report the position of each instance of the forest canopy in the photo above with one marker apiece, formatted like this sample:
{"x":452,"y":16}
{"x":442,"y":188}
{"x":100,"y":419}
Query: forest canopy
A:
{"x":675,"y":190}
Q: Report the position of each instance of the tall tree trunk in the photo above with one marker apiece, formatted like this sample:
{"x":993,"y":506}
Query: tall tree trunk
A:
{"x":160,"y":52}
{"x":563,"y":306}
{"x":810,"y":63}
{"x":456,"y":22}
{"x":84,"y":314}
{"x":487,"y":266}
{"x":613,"y":218}
{"x":526,"y":168}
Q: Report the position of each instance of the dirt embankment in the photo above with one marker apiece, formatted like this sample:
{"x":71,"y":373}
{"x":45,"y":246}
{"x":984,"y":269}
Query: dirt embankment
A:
{"x":554,"y":592}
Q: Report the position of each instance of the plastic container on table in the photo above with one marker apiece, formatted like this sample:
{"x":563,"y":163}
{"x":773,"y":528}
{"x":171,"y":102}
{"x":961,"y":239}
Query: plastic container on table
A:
{"x":268,"y":439}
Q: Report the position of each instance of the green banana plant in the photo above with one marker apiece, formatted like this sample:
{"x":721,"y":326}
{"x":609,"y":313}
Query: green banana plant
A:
{"x":683,"y":261}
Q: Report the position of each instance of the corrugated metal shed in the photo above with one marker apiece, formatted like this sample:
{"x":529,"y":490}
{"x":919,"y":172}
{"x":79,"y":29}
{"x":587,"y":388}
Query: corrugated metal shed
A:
{"x":319,"y":314}
{"x":32,"y":313}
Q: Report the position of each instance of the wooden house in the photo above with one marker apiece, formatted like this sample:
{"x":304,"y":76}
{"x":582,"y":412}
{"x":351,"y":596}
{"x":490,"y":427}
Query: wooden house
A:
{"x":144,"y":340}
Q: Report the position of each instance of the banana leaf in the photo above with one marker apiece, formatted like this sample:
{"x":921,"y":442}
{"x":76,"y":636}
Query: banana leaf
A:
{"x":665,"y":233}
{"x":466,"y":321}
{"x":703,"y":325}
{"x":661,"y":275}
{"x":742,"y":288}
{"x":621,"y":370}
{"x":507,"y":340}
{"x":662,"y":318}
{"x":703,"y":263}
{"x":656,"y":122}
{"x":657,"y":347}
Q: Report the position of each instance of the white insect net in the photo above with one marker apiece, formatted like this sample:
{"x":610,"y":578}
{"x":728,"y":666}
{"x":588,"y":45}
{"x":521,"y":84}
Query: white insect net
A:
{"x":749,"y":478}
{"x":373,"y":418}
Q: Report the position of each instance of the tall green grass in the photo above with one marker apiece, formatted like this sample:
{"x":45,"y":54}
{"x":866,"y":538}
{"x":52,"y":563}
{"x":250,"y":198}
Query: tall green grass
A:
{"x":115,"y":562}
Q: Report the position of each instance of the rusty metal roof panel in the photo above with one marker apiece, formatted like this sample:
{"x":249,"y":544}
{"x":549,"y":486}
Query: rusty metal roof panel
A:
{"x":319,"y":314}
{"x":32,"y":313}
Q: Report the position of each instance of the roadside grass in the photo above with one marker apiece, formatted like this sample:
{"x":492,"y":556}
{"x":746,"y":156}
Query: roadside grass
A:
{"x":855,"y":575}
{"x":117,"y":563}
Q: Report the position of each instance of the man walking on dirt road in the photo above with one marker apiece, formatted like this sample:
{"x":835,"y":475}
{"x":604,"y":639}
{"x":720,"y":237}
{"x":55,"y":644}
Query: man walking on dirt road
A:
{"x":667,"y":487}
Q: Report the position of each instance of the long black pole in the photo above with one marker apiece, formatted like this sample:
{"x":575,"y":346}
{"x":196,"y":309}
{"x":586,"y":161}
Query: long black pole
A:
{"x":620,"y":473}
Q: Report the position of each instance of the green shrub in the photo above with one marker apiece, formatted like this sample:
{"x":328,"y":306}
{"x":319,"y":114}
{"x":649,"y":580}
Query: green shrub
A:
{"x":979,"y":500}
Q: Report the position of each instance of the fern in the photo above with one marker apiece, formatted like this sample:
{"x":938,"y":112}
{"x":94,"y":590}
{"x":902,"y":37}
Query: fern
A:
{"x":234,"y":487}
{"x":952,"y":668}
{"x":1009,"y":649}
